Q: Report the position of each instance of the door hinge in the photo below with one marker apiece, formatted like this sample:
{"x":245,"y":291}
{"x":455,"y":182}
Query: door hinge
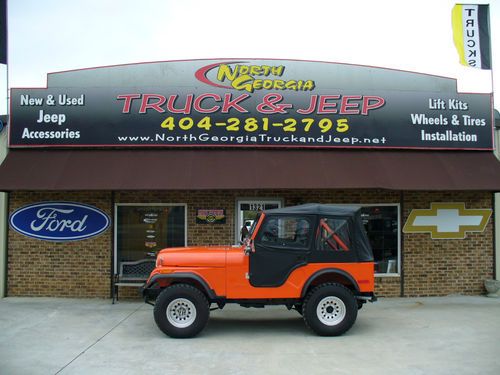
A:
{"x":247,"y":276}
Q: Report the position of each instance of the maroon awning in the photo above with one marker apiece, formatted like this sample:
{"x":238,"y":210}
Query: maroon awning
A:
{"x":202,"y":169}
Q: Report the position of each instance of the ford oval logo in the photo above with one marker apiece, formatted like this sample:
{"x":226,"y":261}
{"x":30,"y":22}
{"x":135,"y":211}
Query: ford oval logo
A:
{"x":59,"y":221}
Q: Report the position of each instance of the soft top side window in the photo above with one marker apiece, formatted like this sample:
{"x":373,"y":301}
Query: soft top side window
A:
{"x":333,"y":234}
{"x":286,"y":231}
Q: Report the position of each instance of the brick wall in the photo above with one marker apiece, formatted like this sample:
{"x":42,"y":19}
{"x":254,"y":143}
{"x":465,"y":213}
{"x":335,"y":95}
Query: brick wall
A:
{"x":83,"y":268}
{"x":442,"y":267}
{"x":67,"y":269}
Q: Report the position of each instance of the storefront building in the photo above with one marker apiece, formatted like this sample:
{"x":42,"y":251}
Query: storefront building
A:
{"x":107,"y":166}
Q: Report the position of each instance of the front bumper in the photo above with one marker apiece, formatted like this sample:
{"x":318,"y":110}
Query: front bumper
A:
{"x":150,"y":290}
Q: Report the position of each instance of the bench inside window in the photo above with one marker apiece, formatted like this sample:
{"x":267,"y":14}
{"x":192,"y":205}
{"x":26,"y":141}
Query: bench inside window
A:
{"x":132,"y":274}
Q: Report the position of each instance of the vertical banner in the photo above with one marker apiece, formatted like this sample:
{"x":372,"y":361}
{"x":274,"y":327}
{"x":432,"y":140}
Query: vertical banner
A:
{"x":471,"y":34}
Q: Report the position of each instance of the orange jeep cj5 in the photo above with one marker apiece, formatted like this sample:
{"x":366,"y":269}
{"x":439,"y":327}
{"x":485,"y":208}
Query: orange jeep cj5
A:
{"x":314,"y":258}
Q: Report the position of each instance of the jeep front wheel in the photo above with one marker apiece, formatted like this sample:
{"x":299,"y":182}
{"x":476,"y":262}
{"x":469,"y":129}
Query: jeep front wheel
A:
{"x":330,"y":309}
{"x":181,"y":311}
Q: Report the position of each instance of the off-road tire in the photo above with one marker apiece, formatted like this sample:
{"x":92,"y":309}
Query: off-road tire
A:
{"x":330,"y":309}
{"x":181,"y":311}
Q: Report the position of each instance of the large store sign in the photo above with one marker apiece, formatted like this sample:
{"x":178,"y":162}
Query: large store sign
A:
{"x":59,"y":221}
{"x":271,"y":103}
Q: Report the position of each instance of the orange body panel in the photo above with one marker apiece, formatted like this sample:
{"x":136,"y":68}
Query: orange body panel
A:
{"x":195,"y":256}
{"x":207,"y":262}
{"x":238,"y":287}
{"x":225,"y":270}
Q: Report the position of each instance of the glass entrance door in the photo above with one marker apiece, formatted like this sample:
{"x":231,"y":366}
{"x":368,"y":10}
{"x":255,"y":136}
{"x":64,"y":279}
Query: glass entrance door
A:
{"x":247,"y":210}
{"x":141,"y":231}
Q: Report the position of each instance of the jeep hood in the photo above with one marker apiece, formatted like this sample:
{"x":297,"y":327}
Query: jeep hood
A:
{"x":196,"y":256}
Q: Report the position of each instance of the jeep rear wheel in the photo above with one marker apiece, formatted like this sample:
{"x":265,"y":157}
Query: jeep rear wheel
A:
{"x":330,"y":309}
{"x":181,"y":311}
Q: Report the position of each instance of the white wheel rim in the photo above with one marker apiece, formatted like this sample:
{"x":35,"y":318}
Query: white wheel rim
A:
{"x":331,"y":311}
{"x":181,"y":313}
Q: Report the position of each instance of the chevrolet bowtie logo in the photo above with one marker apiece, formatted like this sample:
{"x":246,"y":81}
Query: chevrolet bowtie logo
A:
{"x":447,"y":220}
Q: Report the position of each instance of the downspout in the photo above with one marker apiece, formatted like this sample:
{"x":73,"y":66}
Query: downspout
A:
{"x":4,"y":218}
{"x":496,"y":205}
{"x":402,"y":242}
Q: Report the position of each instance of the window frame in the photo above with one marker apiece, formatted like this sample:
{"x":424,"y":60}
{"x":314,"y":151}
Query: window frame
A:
{"x":115,"y":224}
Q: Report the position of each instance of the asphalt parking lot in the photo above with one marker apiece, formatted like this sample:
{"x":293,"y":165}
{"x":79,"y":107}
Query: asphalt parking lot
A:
{"x":445,"y":335}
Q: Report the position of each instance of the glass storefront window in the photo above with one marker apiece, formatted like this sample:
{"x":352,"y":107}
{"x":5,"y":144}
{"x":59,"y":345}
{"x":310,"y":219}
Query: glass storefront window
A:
{"x":382,"y":226}
{"x":143,"y":230}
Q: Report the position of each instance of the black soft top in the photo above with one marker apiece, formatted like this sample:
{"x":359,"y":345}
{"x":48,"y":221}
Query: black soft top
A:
{"x":318,"y":209}
{"x":359,"y":238}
